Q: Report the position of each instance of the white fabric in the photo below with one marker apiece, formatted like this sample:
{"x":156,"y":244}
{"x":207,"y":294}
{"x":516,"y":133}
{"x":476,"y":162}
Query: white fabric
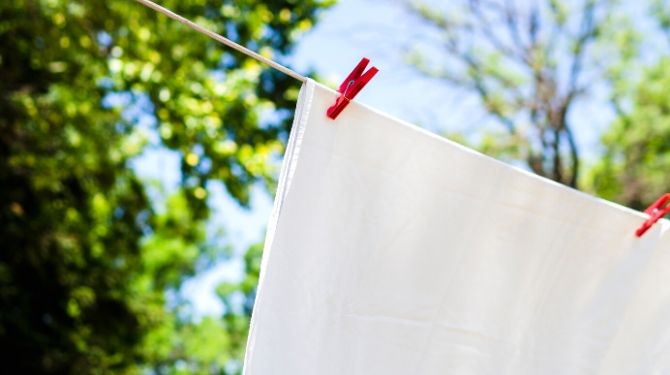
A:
{"x":394,"y":251}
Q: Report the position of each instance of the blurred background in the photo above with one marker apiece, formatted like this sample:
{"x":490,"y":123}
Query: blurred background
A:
{"x":138,"y":159}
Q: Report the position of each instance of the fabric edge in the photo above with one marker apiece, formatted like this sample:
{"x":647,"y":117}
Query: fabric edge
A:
{"x":556,"y":185}
{"x":289,"y":165}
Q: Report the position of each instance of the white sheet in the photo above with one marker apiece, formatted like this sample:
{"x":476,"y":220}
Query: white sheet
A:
{"x":394,"y":251}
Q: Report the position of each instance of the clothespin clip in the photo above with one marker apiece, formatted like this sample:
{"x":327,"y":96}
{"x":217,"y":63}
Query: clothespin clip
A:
{"x":351,"y":86}
{"x":656,"y":211}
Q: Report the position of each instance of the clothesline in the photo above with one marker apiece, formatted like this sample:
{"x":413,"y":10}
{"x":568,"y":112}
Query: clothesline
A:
{"x":357,"y":77}
{"x":223,"y":40}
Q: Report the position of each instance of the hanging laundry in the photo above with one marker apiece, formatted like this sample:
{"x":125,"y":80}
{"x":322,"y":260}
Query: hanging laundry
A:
{"x":394,"y":251}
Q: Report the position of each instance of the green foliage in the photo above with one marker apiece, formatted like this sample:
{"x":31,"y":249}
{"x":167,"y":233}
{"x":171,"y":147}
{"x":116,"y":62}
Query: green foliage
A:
{"x":634,"y":169}
{"x":86,"y":261}
{"x":238,"y":299}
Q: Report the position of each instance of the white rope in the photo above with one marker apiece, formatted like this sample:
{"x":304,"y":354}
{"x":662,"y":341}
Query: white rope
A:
{"x":222,"y":40}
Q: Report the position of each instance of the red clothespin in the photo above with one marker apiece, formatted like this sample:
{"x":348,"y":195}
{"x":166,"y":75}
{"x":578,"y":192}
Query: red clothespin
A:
{"x":655,"y":212}
{"x":351,"y":87}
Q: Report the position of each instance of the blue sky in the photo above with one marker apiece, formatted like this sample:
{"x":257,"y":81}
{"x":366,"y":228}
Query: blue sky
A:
{"x":377,"y":29}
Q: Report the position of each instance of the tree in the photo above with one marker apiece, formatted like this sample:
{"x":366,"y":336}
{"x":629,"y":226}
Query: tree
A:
{"x":528,"y":64}
{"x":86,"y":258}
{"x":634,"y":168}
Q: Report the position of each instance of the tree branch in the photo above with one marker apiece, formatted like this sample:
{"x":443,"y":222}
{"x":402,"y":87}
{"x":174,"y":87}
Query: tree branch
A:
{"x":574,"y":157}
